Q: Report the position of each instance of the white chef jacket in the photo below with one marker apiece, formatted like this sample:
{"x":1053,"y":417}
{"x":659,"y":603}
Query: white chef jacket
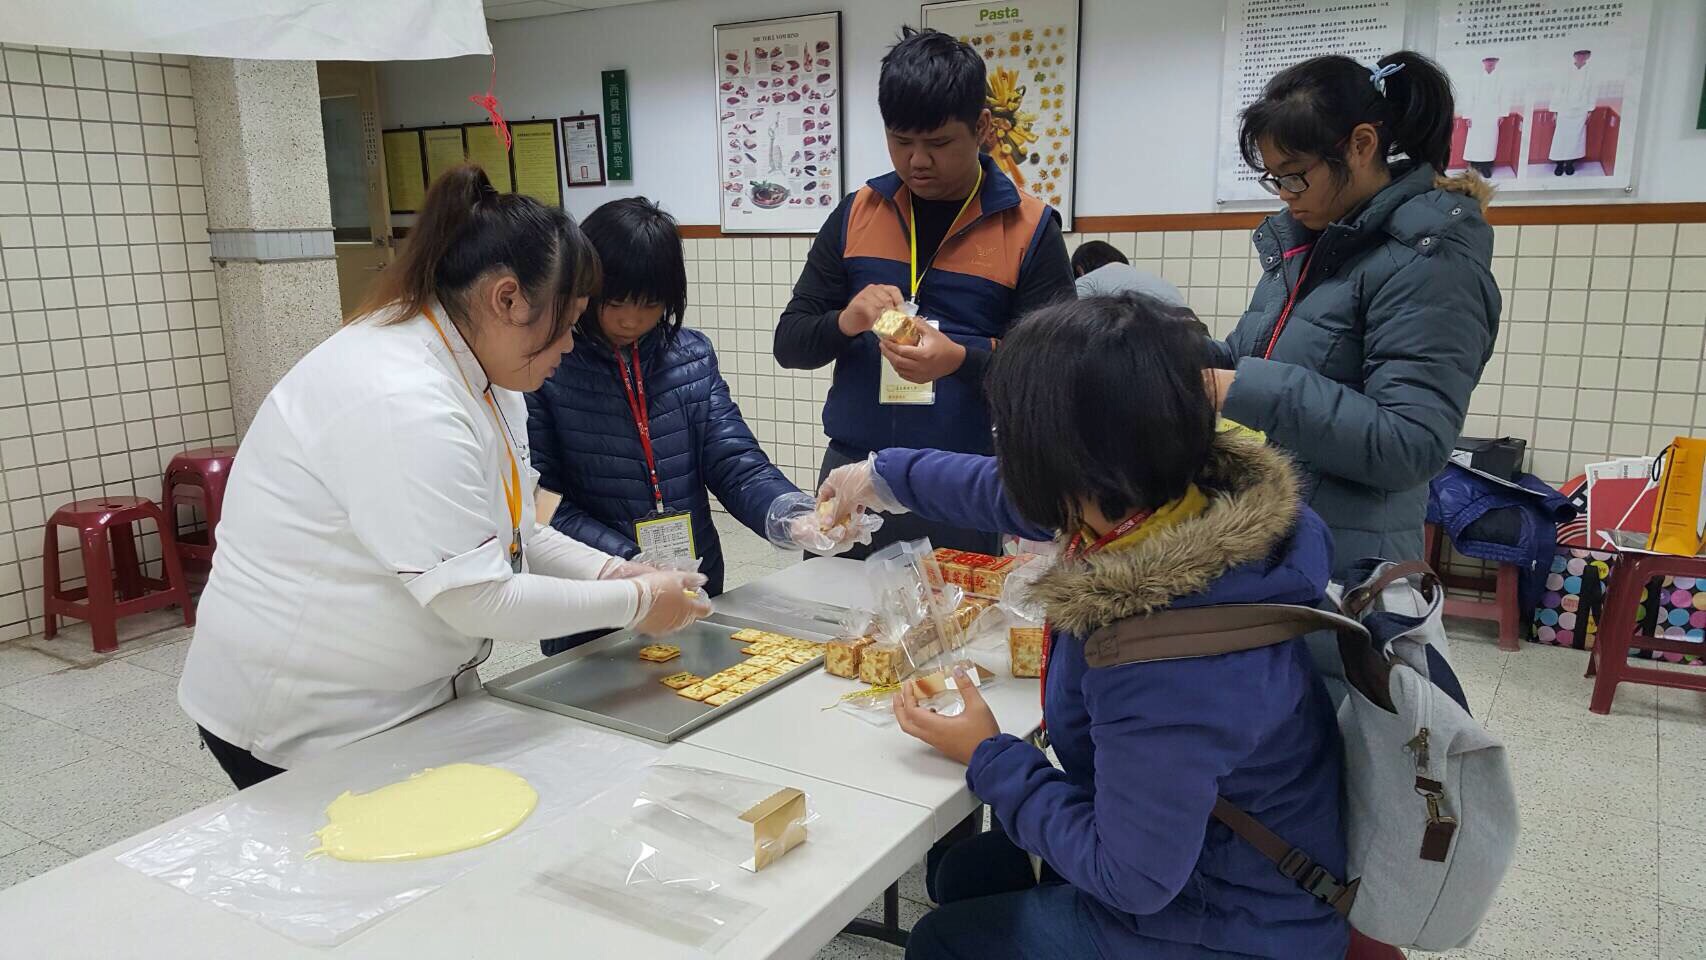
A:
{"x":1575,"y":101}
{"x":369,"y":483}
{"x":1484,"y":106}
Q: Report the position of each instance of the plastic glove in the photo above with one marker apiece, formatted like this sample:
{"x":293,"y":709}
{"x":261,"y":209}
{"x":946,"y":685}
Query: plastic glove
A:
{"x":620,"y":569}
{"x":858,"y":486}
{"x":669,"y":600}
{"x":796,"y":521}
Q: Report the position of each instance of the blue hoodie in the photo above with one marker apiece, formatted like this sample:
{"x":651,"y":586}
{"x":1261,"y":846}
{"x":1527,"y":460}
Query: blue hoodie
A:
{"x":1145,"y":748}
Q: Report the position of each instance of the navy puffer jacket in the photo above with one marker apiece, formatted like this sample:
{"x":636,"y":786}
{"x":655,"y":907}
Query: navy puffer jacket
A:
{"x":586,"y":447}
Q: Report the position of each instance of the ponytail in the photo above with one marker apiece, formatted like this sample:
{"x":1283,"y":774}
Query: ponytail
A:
{"x":465,"y":229}
{"x":1311,"y":107}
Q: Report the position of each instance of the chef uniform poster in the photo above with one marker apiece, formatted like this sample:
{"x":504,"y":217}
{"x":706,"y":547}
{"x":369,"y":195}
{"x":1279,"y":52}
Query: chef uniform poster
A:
{"x":779,"y":124}
{"x":1547,"y":90}
{"x":1030,"y":51}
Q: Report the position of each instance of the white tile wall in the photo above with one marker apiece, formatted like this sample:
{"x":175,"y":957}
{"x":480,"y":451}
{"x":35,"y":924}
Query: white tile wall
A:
{"x":1600,"y":350}
{"x":111,"y":354}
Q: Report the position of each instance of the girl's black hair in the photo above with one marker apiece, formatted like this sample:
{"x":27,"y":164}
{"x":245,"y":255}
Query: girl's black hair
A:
{"x":1310,"y":109}
{"x":1093,"y":254}
{"x":928,"y":79}
{"x":1100,"y":399}
{"x":465,"y":229}
{"x":640,"y":249}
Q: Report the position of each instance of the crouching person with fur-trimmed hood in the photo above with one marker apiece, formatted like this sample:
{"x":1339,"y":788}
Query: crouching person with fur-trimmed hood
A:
{"x":1106,"y":439}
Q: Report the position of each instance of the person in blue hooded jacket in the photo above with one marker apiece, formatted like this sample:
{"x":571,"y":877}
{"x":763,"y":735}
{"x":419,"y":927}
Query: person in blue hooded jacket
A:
{"x":635,"y":430}
{"x":1106,"y":437}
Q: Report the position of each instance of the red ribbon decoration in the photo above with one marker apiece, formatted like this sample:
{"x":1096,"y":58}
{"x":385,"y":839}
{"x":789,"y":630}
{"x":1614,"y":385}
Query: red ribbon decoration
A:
{"x":489,"y":102}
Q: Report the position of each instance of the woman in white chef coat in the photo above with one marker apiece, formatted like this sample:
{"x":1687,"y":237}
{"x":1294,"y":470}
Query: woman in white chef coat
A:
{"x":377,"y":533}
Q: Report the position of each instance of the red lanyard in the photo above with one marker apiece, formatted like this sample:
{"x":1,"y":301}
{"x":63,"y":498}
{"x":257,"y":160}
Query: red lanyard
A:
{"x":1075,"y":549}
{"x":1291,"y":301}
{"x":642,"y":420}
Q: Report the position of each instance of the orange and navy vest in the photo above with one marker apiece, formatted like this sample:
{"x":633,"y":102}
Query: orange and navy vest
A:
{"x":969,"y":290}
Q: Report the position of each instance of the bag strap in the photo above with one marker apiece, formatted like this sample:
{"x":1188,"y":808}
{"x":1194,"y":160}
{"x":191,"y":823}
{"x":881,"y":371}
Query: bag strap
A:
{"x":1357,"y":600}
{"x":1296,"y":865}
{"x":1173,"y":634}
{"x":1230,"y":628}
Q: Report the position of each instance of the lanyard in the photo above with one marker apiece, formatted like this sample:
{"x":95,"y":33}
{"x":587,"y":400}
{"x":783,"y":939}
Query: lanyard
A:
{"x":1291,"y":301}
{"x":1075,"y":549}
{"x":642,"y":418}
{"x":913,"y":239}
{"x":512,"y":483}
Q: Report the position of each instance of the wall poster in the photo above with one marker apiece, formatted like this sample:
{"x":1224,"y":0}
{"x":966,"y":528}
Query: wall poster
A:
{"x":779,"y":162}
{"x":533,"y":150}
{"x":405,"y":176}
{"x":444,"y":148}
{"x":487,"y":148}
{"x":1547,"y":90}
{"x":1031,"y":52}
{"x":1264,"y":37}
{"x":583,"y":150}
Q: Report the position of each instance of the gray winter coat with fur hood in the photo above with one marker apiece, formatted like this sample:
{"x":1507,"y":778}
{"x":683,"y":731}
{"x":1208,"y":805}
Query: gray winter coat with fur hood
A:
{"x":1367,"y":382}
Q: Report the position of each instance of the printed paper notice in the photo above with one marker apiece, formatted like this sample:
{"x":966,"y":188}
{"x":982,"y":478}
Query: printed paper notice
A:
{"x":444,"y":150}
{"x":1264,"y":37}
{"x":583,"y":150}
{"x":404,"y":180}
{"x":535,"y":153}
{"x":487,"y":149}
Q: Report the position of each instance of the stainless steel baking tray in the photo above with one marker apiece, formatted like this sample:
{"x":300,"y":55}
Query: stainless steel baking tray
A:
{"x":605,"y":681}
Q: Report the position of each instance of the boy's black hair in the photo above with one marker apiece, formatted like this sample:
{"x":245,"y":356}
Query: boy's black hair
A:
{"x":929,"y":78}
{"x":639,"y":248}
{"x":1093,"y":254}
{"x":1310,"y":108}
{"x":1100,"y":399}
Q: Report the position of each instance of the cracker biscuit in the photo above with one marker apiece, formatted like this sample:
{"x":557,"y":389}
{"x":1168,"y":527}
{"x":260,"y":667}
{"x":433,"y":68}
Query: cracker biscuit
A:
{"x":659,"y":652}
{"x":681,"y":681}
{"x":764,"y":661}
{"x":801,"y":656}
{"x":1025,"y":650}
{"x":747,"y":635}
{"x":699,"y":691}
{"x":879,"y":664}
{"x":718,"y":699}
{"x":841,"y":658}
{"x":745,"y":686}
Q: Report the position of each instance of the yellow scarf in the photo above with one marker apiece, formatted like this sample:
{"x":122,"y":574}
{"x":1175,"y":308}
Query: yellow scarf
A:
{"x":1190,"y":504}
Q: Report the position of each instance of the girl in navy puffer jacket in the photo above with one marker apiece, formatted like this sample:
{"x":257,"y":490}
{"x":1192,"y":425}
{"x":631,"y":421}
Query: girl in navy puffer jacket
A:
{"x":634,"y":365}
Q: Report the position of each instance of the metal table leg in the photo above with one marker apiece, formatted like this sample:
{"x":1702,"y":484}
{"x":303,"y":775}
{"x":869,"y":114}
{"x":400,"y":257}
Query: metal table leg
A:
{"x":888,"y":931}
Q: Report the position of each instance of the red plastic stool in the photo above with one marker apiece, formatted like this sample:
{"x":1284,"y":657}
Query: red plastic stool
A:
{"x":1608,"y":663}
{"x":196,"y":478}
{"x":1504,"y":608}
{"x":98,"y":603}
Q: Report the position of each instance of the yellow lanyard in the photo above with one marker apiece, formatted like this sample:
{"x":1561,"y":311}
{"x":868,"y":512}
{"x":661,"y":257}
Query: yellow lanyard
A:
{"x":511,"y":484}
{"x":913,"y":239}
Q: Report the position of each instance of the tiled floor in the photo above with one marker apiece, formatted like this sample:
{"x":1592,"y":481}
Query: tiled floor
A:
{"x":1612,"y":862}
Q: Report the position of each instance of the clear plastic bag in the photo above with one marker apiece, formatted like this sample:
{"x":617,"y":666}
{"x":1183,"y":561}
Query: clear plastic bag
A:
{"x":915,"y":607}
{"x":742,"y":822}
{"x":619,"y":876}
{"x":249,"y":856}
{"x":796,"y":521}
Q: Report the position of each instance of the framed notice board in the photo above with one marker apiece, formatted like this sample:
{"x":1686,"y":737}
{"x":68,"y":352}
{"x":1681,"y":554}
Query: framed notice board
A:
{"x":534,"y":155}
{"x":487,"y":149}
{"x":405,"y":171}
{"x":583,"y":150}
{"x":443,"y":148}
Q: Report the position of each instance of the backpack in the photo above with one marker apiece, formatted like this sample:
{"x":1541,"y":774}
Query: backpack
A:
{"x":1430,"y":813}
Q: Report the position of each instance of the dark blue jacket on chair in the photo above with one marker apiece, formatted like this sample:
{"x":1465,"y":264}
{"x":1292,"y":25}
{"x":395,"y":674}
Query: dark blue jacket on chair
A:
{"x":587,"y":448}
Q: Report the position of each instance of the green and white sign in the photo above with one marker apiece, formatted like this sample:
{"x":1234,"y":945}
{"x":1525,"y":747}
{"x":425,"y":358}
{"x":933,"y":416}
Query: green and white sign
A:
{"x":620,"y":150}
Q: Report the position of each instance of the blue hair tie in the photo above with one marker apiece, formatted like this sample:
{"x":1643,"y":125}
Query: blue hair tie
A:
{"x":1378,"y":75}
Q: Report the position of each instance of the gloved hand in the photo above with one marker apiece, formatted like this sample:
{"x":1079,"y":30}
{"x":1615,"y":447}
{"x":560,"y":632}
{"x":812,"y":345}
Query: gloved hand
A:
{"x":795,"y":521}
{"x":855,"y":487}
{"x":669,"y":600}
{"x":620,"y":569}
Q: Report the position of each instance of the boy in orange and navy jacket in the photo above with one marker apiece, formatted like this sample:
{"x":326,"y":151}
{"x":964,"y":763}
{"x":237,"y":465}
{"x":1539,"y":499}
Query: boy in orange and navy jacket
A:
{"x":981,"y":252}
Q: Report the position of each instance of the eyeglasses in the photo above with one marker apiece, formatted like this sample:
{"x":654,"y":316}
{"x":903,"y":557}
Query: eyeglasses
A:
{"x":1292,"y":183}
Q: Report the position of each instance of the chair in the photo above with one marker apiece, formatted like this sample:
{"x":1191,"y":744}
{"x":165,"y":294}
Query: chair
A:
{"x":196,"y":478}
{"x":1608,"y":662}
{"x":115,"y":586}
{"x":1505,"y":609}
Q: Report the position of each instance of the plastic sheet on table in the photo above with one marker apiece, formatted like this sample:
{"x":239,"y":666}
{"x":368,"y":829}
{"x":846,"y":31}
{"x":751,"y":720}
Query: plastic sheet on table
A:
{"x":249,"y":856}
{"x":662,"y":893}
{"x":741,"y":822}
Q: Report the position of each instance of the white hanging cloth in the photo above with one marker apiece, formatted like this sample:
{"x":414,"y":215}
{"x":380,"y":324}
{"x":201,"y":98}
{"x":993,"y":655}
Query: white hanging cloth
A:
{"x":254,"y":29}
